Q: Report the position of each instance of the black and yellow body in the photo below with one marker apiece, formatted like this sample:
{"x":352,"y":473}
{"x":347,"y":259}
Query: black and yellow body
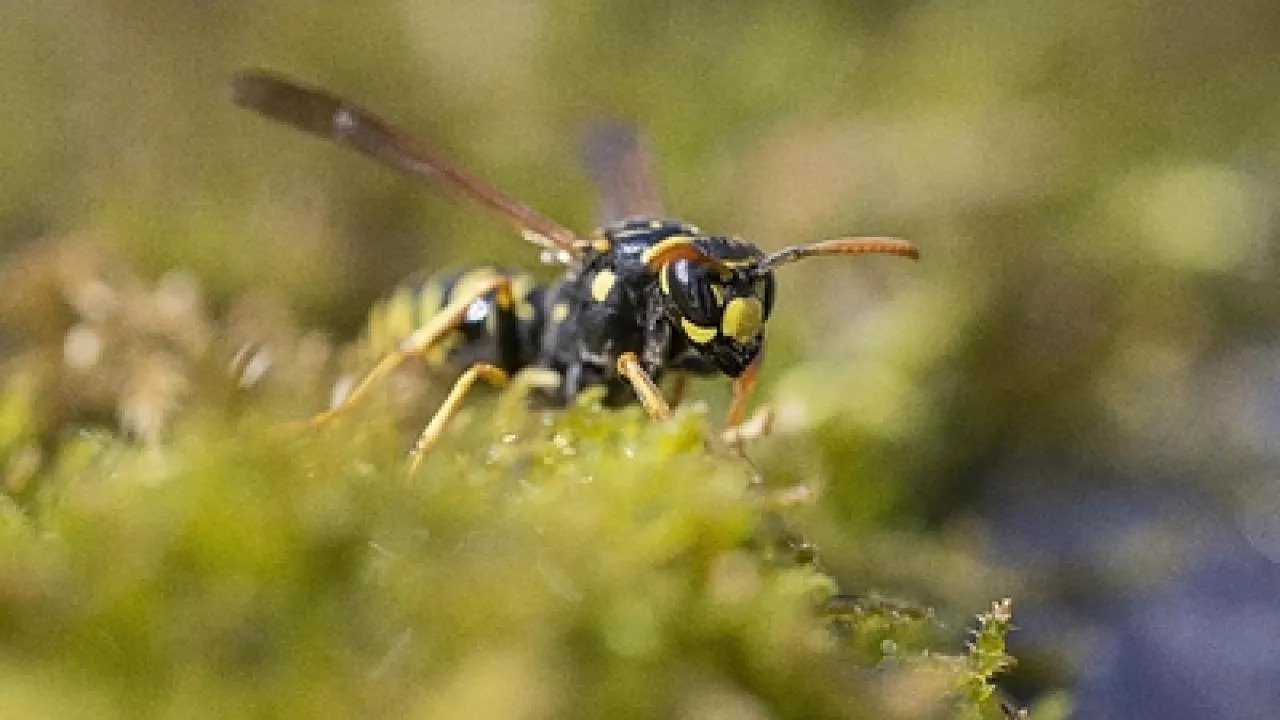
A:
{"x":641,"y":297}
{"x":577,"y":327}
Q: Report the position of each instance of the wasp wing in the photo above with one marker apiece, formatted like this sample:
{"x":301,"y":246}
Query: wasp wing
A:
{"x":620,"y":166}
{"x":328,"y":116}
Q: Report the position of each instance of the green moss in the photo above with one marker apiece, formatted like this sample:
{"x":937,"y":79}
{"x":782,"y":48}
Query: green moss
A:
{"x":585,"y":563}
{"x":20,"y":453}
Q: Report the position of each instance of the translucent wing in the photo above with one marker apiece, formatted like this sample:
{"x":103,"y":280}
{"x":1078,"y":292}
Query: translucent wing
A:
{"x":619,"y":165}
{"x":320,"y":113}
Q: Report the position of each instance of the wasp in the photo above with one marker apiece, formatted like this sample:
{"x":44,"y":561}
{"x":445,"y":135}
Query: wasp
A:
{"x":643,"y":296}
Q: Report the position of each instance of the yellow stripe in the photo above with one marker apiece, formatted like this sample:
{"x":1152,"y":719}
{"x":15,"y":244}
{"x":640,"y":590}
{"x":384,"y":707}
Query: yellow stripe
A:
{"x":697,"y":333}
{"x":429,"y":301}
{"x":664,"y":246}
{"x":599,"y":242}
{"x":521,"y":286}
{"x":601,"y":284}
{"x":467,"y":283}
{"x":399,"y":321}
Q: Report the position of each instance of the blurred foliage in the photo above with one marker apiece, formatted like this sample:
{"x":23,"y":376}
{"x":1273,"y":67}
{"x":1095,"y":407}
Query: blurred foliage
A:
{"x":1092,"y":185}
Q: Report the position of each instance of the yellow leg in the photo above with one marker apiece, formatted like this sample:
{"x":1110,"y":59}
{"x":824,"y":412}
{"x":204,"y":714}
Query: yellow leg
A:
{"x":449,"y":408}
{"x":649,"y":393}
{"x":417,"y":344}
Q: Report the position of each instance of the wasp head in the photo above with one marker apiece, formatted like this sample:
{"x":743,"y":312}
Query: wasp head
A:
{"x":720,"y":310}
{"x":718,"y":291}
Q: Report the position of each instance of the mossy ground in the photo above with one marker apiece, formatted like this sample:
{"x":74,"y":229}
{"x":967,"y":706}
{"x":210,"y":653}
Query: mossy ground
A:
{"x":584,"y":563}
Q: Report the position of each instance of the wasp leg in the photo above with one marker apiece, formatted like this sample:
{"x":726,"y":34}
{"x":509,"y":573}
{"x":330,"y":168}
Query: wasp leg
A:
{"x":491,"y":374}
{"x":420,"y":342}
{"x":742,"y":388}
{"x":675,"y":393}
{"x":737,"y":430}
{"x":753,"y":428}
{"x":649,"y":393}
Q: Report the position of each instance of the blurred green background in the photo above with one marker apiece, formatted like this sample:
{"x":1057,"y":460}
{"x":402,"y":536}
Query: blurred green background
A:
{"x":1071,"y":399}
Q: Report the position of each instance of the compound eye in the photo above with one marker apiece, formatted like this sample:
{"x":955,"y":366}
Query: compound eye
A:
{"x":763,"y":289}
{"x":690,"y":288}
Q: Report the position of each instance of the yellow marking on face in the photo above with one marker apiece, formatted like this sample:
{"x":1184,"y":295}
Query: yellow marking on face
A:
{"x":600,"y":243}
{"x":663,"y":282}
{"x":697,"y":333}
{"x":601,"y":284}
{"x":718,"y":293}
{"x":664,"y":246}
{"x":559,"y":312}
{"x":742,"y":319}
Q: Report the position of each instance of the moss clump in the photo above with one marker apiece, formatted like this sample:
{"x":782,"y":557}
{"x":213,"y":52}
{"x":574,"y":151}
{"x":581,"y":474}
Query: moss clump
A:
{"x":585,"y":563}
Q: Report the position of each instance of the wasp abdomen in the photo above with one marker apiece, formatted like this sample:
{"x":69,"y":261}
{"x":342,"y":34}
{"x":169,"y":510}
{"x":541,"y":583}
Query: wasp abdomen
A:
{"x":505,"y":337}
